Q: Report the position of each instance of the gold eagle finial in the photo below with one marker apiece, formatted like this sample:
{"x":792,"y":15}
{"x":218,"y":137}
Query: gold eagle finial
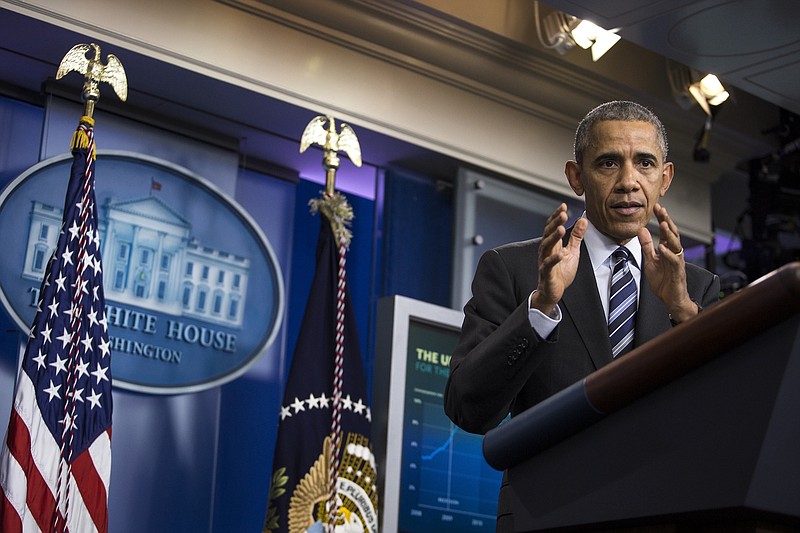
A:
{"x":94,"y":72}
{"x":332,"y":143}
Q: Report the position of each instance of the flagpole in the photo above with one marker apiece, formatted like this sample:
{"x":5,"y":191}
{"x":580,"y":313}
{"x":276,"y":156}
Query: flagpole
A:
{"x":339,"y":213}
{"x":94,"y":72}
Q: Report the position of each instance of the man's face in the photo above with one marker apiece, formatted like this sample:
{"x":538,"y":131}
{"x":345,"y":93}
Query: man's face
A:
{"x":623,"y":175}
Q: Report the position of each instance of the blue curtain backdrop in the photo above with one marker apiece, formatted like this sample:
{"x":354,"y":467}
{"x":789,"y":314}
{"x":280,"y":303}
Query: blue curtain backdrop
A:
{"x":202,"y":461}
{"x":417,"y":245}
{"x":19,"y":149}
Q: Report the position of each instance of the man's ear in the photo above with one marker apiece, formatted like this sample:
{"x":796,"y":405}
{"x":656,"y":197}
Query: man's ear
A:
{"x":666,"y":177}
{"x":573,"y":172}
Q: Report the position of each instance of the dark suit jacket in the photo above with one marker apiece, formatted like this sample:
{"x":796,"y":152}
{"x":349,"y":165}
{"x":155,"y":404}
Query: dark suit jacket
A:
{"x":501,"y":366}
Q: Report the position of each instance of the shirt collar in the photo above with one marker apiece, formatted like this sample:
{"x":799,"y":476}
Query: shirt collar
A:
{"x":601,"y":247}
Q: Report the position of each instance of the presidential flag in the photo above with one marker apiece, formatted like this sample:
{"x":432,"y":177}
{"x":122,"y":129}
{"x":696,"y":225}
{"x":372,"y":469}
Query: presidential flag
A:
{"x":323,"y":470}
{"x":56,"y":459}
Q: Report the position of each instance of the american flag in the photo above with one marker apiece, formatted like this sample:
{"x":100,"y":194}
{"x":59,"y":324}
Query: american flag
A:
{"x":55,"y":464}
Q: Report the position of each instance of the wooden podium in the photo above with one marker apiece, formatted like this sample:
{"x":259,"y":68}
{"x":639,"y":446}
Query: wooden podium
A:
{"x":698,"y":430}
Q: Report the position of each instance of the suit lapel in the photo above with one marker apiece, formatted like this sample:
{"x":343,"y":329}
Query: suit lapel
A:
{"x":652,"y":318}
{"x":581,"y":303}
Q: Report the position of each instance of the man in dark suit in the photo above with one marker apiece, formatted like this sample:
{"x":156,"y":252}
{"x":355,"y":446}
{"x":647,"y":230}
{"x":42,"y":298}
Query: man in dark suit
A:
{"x":538,"y":318}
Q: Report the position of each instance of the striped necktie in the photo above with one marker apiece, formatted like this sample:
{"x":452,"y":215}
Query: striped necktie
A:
{"x":622,"y":304}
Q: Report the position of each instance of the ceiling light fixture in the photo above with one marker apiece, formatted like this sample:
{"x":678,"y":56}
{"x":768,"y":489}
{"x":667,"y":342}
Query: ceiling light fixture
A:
{"x":708,"y":92}
{"x":690,"y":86}
{"x":589,"y":35}
{"x":565,"y":31}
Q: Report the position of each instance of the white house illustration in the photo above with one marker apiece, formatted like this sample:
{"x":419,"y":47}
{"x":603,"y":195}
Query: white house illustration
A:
{"x":151,"y":260}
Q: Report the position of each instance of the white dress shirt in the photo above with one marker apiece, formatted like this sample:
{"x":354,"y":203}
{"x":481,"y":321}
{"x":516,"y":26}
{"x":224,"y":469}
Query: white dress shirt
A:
{"x":600,"y":248}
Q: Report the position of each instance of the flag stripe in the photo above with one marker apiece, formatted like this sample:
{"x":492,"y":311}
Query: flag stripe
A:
{"x":37,"y":498}
{"x":79,"y":519}
{"x":17,"y":513}
{"x":10,"y":513}
{"x":42,"y":447}
{"x":92,"y":488}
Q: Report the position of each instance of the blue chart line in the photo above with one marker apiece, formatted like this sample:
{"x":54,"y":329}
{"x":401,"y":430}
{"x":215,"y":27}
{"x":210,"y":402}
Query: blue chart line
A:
{"x":449,"y":486}
{"x":441,"y":448}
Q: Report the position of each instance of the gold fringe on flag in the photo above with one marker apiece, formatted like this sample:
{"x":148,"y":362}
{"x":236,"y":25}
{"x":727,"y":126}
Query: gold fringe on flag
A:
{"x":79,"y":139}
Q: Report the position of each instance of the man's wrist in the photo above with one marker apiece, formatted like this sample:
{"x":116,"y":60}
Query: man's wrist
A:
{"x":684,"y":315}
{"x":538,"y":302}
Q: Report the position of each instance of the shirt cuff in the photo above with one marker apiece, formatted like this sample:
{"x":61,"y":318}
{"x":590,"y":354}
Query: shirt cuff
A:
{"x":542,"y":324}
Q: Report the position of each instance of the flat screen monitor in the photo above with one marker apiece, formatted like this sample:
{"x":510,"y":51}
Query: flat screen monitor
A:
{"x":433,"y":474}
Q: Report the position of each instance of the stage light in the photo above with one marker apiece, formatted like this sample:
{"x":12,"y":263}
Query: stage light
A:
{"x":565,"y":31}
{"x":690,"y":86}
{"x":708,"y":92}
{"x":589,"y":35}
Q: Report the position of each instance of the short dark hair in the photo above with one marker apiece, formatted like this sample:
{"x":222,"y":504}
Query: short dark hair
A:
{"x":617,"y":110}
